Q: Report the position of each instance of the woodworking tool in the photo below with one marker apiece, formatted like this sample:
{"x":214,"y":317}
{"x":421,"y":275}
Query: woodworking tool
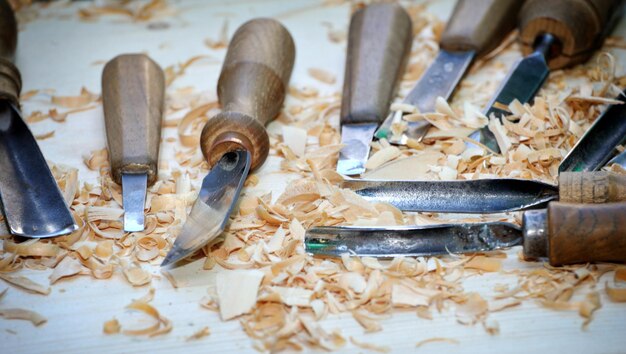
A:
{"x":31,"y":199}
{"x":474,"y":29}
{"x":554,"y":34}
{"x":563,"y":233}
{"x":133,"y":97}
{"x":378,"y":43}
{"x":492,"y":195}
{"x":251,"y":89}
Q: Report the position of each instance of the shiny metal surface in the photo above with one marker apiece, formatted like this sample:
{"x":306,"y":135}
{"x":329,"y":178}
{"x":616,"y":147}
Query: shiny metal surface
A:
{"x":134,"y":198}
{"x":357,"y":139}
{"x":620,"y":159}
{"x":32,"y":202}
{"x":473,"y":196}
{"x":596,"y":147}
{"x":210,"y":213}
{"x":535,"y":233}
{"x":412,"y":241}
{"x":440,"y":79}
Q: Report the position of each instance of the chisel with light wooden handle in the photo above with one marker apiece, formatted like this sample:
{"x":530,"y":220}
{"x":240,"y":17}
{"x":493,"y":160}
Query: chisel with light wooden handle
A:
{"x":133,"y":97}
{"x":251,"y":89}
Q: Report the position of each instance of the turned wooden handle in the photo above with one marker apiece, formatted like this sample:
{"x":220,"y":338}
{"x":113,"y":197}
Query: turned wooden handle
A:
{"x":251,"y":89}
{"x":479,"y":25}
{"x":579,"y":25}
{"x":133,"y":97}
{"x":10,"y":80}
{"x":582,"y":233}
{"x":592,"y":187}
{"x":378,"y":43}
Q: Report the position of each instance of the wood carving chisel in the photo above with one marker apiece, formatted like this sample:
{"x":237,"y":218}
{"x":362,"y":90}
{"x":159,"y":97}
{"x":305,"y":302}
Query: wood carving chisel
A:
{"x":31,"y":199}
{"x":492,"y":195}
{"x":474,"y":29}
{"x":133,"y":97}
{"x":251,"y":89}
{"x":563,"y":233}
{"x":379,"y":41}
{"x":554,"y":34}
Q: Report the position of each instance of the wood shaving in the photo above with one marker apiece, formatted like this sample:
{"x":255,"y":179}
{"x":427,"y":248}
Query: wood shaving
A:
{"x":237,"y":291}
{"x":25,"y":284}
{"x":370,"y":346}
{"x":21,"y":314}
{"x":204,"y":332}
{"x":437,"y":340}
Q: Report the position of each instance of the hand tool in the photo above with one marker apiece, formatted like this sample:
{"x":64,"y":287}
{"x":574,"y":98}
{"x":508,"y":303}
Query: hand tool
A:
{"x":474,"y":29}
{"x":554,"y":34}
{"x":595,"y":148}
{"x":378,"y":43}
{"x":492,"y":195}
{"x":251,"y":89}
{"x":619,"y":159}
{"x":133,"y":96}
{"x":564,"y":233}
{"x":31,"y":199}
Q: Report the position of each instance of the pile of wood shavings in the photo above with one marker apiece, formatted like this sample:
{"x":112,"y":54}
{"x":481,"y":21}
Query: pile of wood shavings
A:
{"x":264,"y":278}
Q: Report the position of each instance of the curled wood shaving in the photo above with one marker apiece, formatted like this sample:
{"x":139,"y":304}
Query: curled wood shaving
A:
{"x":25,"y":284}
{"x":437,"y":340}
{"x":370,"y":346}
{"x":615,"y":294}
{"x":21,"y":314}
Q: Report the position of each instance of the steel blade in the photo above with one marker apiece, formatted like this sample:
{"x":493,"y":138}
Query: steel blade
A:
{"x":472,"y":196}
{"x":210,"y":213}
{"x":620,"y":159}
{"x":440,"y":80}
{"x":596,"y":147}
{"x":357,"y":139}
{"x":412,"y":241}
{"x":32,"y":201}
{"x":134,"y":187}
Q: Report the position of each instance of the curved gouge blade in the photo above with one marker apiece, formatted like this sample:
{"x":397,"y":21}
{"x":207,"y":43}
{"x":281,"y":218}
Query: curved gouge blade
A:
{"x":32,"y":202}
{"x":412,"y":241}
{"x":134,"y":199}
{"x":473,"y":196}
{"x":352,"y":157}
{"x":216,"y":200}
{"x":595,"y":148}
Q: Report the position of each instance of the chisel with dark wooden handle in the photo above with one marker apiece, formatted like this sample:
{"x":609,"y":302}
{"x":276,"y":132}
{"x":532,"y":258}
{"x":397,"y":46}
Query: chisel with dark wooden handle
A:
{"x":133,"y":97}
{"x":251,"y":89}
{"x":379,"y":41}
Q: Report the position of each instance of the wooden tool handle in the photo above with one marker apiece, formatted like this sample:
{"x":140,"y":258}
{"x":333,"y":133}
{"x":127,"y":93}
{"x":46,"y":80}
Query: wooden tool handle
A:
{"x":251,"y":90}
{"x":479,"y":25}
{"x":133,"y":97}
{"x":592,"y":187}
{"x":581,"y":233}
{"x":378,"y":44}
{"x":10,"y":80}
{"x":579,"y":25}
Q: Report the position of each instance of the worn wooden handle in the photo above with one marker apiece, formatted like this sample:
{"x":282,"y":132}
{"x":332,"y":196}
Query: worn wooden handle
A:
{"x":10,"y":80}
{"x":133,"y":96}
{"x":581,"y":233}
{"x":378,"y":43}
{"x":479,"y":25}
{"x":579,"y":25}
{"x":592,"y":187}
{"x":251,"y":89}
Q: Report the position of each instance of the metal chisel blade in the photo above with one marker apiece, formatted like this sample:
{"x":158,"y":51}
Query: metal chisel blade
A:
{"x":473,"y":196}
{"x":619,"y":159}
{"x":440,"y":80}
{"x":209,"y":215}
{"x":32,"y":201}
{"x":134,"y":198}
{"x":357,"y":139}
{"x":412,"y":241}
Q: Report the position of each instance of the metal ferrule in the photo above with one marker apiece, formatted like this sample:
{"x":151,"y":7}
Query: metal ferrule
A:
{"x":10,"y":81}
{"x":535,"y":233}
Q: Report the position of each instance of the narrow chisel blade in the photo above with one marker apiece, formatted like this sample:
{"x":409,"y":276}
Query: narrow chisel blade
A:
{"x":412,"y":241}
{"x":440,"y":80}
{"x":134,"y":198}
{"x":472,"y":196}
{"x":32,"y":201}
{"x":357,"y":139}
{"x":209,"y":215}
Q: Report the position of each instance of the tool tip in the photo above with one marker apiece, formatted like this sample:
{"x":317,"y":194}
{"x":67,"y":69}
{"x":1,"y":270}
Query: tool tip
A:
{"x":173,"y":256}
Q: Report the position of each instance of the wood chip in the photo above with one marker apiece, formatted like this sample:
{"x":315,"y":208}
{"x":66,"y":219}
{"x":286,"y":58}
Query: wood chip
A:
{"x":237,"y":291}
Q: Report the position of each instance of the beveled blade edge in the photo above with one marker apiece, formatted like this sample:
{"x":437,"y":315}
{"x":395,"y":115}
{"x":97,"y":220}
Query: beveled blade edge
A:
{"x":134,"y":188}
{"x":357,"y":139}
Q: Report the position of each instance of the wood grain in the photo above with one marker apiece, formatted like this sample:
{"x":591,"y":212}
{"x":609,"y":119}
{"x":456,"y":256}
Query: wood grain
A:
{"x":579,"y":25}
{"x":251,"y":89}
{"x":379,"y":40}
{"x":10,"y":79}
{"x":479,"y":25}
{"x":582,"y":233}
{"x":591,"y":187}
{"x":133,"y":98}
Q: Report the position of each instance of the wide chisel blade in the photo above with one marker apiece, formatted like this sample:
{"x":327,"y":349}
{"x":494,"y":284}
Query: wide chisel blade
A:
{"x":217,"y":197}
{"x":134,"y":199}
{"x":357,"y":139}
{"x":439,"y":80}
{"x":412,"y":241}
